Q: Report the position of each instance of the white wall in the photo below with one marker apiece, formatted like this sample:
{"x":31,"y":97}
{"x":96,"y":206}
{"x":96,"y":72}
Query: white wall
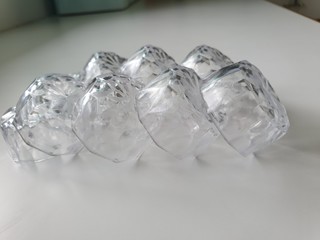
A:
{"x":17,"y":12}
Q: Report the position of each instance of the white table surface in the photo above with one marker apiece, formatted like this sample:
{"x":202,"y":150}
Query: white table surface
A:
{"x":221,"y":196}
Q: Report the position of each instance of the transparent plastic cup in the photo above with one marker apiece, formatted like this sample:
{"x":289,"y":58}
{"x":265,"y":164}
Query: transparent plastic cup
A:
{"x":19,"y":150}
{"x":106,"y":122}
{"x":146,"y":64}
{"x":205,"y":60}
{"x":43,"y":114}
{"x":101,"y":63}
{"x":245,"y":107}
{"x":172,"y":110}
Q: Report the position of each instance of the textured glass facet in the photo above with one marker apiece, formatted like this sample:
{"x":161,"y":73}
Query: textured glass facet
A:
{"x":44,"y":114}
{"x":205,"y":60}
{"x":172,"y":110}
{"x":19,"y":150}
{"x":245,"y":107}
{"x":101,"y":63}
{"x":146,"y":64}
{"x":106,"y":120}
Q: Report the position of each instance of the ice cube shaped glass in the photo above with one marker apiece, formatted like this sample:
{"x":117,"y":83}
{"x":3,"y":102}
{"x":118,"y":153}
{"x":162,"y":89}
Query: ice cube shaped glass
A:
{"x":101,"y":63}
{"x":245,"y":107}
{"x":44,"y":114}
{"x":173,"y":111}
{"x":106,"y":121}
{"x":205,"y":60}
{"x":146,"y":64}
{"x":19,"y":150}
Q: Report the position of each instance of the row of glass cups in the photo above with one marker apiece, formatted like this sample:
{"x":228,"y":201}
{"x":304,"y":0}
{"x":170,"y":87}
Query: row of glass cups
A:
{"x":115,"y":107}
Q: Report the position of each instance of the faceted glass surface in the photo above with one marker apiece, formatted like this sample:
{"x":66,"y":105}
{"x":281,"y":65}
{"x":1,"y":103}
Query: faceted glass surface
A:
{"x":101,"y":63}
{"x":205,"y":60}
{"x":19,"y":150}
{"x":172,"y":110}
{"x":106,"y":120}
{"x":44,"y":114}
{"x":146,"y":64}
{"x":245,"y":107}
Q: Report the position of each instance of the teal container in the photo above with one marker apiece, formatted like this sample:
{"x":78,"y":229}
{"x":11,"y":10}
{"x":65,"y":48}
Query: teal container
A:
{"x":64,"y":7}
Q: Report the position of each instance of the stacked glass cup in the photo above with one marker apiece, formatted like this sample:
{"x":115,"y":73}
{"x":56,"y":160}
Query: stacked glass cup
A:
{"x":116,"y":107}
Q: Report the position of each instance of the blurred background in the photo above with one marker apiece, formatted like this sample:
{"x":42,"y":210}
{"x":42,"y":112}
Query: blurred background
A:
{"x":14,"y":13}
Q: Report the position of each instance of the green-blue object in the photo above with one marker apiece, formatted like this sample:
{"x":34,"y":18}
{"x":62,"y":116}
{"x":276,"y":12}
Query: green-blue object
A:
{"x":87,"y":6}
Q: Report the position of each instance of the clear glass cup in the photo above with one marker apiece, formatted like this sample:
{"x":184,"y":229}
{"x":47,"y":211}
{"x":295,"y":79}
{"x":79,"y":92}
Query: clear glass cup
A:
{"x":172,"y":110}
{"x":205,"y":60}
{"x":19,"y":150}
{"x":43,"y":114}
{"x":106,"y":122}
{"x":245,"y":107}
{"x":101,"y":63}
{"x":146,"y":64}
